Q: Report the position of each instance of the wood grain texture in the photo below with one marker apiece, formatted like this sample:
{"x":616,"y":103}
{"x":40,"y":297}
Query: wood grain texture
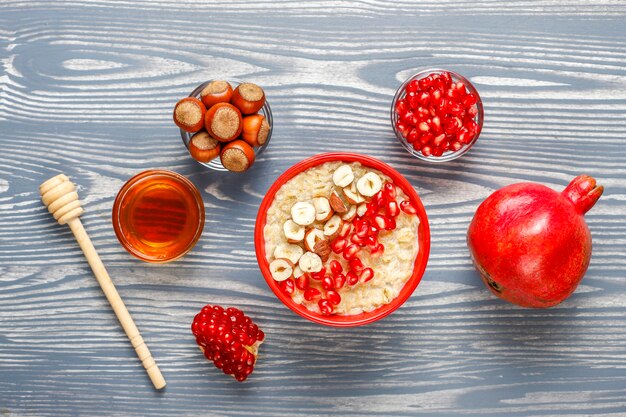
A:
{"x":87,"y":88}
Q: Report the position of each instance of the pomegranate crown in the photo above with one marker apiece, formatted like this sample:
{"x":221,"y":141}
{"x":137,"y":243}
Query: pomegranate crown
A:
{"x":583,"y":192}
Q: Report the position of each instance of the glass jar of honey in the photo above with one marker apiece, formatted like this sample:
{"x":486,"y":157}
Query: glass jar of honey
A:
{"x":158,"y":216}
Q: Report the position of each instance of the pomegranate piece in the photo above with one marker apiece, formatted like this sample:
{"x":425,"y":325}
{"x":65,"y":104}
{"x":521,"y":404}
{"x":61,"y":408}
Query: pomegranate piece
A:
{"x":318,"y":276}
{"x":229,"y":338}
{"x":531,"y":244}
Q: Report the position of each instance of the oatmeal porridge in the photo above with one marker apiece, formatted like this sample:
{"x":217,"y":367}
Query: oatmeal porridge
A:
{"x":341,"y":238}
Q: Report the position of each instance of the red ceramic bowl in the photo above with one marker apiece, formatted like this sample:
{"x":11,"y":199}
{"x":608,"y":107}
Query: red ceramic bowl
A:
{"x":420,"y":260}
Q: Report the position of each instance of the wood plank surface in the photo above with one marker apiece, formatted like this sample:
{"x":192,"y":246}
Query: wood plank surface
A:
{"x":87,"y":88}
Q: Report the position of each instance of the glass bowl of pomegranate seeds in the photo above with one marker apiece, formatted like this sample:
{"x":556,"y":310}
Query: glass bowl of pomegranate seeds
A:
{"x":225,"y":124}
{"x":342,"y":239}
{"x":437,"y":115}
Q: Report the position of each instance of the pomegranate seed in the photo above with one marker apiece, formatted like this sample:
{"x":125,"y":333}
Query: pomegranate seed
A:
{"x":318,"y":276}
{"x":436,"y":124}
{"x":350,"y":251}
{"x":446,"y":78}
{"x":401,"y":106}
{"x":380,"y":221}
{"x":423,"y":126}
{"x":435,"y":97}
{"x":463,"y":136}
{"x":472,"y":111}
{"x":437,"y":141}
{"x":422,"y":112}
{"x":358,"y":240}
{"x":366,"y":275}
{"x":356,"y":264}
{"x":302,"y":283}
{"x":340,"y":281}
{"x":287,"y":286}
{"x":426,"y":137}
{"x":412,"y":86}
{"x":379,"y":199}
{"x":407,"y":116}
{"x":427,"y":150}
{"x":352,"y":278}
{"x":423,"y":98}
{"x":403,"y":128}
{"x":371,"y":209}
{"x":413,"y":136}
{"x":311,"y":293}
{"x":408,"y":207}
{"x":371,"y":241}
{"x":377,"y":250}
{"x":362,"y":230}
{"x":455,"y":146}
{"x":390,"y":223}
{"x":325,"y":307}
{"x":389,"y":190}
{"x":335,"y":267}
{"x":438,"y":151}
{"x":392,"y":209}
{"x":469,"y":100}
{"x":338,"y":245}
{"x":328,"y":283}
{"x":333,"y":297}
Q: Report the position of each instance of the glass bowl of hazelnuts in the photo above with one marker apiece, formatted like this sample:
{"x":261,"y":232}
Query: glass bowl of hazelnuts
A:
{"x":225,"y":124}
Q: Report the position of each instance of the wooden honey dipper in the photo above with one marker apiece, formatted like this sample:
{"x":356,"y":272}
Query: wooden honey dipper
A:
{"x":59,"y":195}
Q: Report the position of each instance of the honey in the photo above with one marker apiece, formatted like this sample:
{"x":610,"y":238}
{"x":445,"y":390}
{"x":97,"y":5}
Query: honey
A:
{"x":158,"y":216}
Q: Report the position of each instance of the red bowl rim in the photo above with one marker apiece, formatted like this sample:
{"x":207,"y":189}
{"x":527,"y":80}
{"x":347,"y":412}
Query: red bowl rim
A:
{"x":420,"y":261}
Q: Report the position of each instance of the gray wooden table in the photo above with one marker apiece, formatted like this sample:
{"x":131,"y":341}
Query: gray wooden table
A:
{"x":87,"y":88}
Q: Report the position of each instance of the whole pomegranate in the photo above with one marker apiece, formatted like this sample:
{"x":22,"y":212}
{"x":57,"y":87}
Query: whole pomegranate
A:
{"x":531,"y":244}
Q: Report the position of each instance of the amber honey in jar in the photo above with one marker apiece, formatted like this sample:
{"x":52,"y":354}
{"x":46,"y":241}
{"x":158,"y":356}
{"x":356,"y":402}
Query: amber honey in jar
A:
{"x":158,"y":216}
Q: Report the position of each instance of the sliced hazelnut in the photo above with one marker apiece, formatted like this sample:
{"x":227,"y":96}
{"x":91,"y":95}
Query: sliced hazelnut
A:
{"x":343,"y":176}
{"x":255,"y":129}
{"x":322,"y":249}
{"x":323,"y":211}
{"x":290,"y":252}
{"x":189,"y":114}
{"x":337,"y":204}
{"x":297,"y":272}
{"x":248,"y":97}
{"x":293,"y":231}
{"x":352,"y":195}
{"x":361,"y":209}
{"x":203,"y":147}
{"x":281,"y":269}
{"x":237,"y":156}
{"x":311,"y":237}
{"x":350,"y":214}
{"x":333,"y":227}
{"x":310,"y":262}
{"x":216,"y":91}
{"x":303,"y":213}
{"x":369,"y":184}
{"x":223,"y":121}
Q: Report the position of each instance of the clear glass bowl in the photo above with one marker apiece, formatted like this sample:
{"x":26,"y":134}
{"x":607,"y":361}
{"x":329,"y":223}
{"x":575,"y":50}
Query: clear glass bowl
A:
{"x":216,"y":164}
{"x":448,"y":155}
